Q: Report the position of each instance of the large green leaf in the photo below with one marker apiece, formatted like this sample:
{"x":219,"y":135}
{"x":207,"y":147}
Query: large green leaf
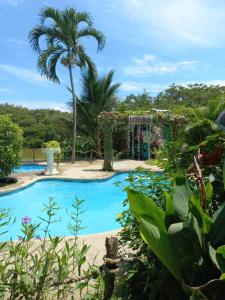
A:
{"x":217,"y":232}
{"x":170,"y":216}
{"x":209,"y":192}
{"x":212,"y":255}
{"x":220,"y":257}
{"x":181,"y":195}
{"x":185,"y":241}
{"x":204,"y":221}
{"x":153,"y":230}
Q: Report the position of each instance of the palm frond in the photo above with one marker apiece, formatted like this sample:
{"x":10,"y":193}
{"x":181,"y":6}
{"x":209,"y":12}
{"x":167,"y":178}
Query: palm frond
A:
{"x":98,"y":94}
{"x":48,"y":60}
{"x":50,"y":13}
{"x":84,"y":59}
{"x":83,"y":17}
{"x":92,"y":32}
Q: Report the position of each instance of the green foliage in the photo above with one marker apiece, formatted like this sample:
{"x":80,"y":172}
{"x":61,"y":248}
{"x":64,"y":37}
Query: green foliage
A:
{"x":183,"y":237}
{"x":199,"y":131}
{"x":63,"y":40}
{"x":63,"y":43}
{"x":142,"y":102}
{"x":51,"y":144}
{"x":46,"y":267}
{"x":98,"y":94}
{"x":11,"y":141}
{"x":40,"y":125}
{"x":192,"y":95}
{"x":145,"y":277}
{"x":107,"y":123}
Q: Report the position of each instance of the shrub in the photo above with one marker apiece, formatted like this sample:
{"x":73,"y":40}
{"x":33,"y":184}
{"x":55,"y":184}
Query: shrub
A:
{"x":51,"y":144}
{"x":185,"y":237}
{"x":11,"y":141}
{"x":199,"y":131}
{"x":46,"y":267}
{"x":146,"y":277}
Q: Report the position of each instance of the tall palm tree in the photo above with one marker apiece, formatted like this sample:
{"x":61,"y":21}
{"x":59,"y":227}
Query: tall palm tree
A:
{"x":63,"y":36}
{"x":98,"y":94}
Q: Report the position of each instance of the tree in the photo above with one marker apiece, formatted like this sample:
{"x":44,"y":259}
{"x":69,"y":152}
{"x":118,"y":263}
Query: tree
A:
{"x":63,"y":36}
{"x":40,"y":125}
{"x":11,"y":141}
{"x":98,"y":94}
{"x":192,"y":95}
{"x":142,"y":102}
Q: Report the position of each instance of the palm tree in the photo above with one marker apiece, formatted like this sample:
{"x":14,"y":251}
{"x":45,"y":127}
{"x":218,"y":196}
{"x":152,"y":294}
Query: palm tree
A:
{"x":63,"y":36}
{"x":98,"y":94}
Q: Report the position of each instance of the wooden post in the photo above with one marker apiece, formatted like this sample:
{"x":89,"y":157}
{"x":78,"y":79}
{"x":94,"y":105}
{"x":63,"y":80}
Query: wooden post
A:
{"x":109,"y":278}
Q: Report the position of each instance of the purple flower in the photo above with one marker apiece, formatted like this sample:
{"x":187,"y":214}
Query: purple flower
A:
{"x":26,"y":220}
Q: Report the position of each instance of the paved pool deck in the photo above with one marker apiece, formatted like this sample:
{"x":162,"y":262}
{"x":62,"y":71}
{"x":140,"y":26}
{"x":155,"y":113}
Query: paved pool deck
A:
{"x":79,"y":170}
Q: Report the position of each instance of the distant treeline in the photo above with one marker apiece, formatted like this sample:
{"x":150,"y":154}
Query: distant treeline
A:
{"x":39,"y":125}
{"x":42,"y":125}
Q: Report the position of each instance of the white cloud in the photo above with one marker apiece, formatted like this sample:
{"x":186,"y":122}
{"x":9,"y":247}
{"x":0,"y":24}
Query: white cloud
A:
{"x":4,"y":90}
{"x":25,"y":74}
{"x":148,"y":64}
{"x":133,"y":86}
{"x":193,"y":21}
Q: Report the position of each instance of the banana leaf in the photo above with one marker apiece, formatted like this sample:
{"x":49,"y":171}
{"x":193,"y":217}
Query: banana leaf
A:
{"x":153,"y":230}
{"x":185,"y":241}
{"x":181,"y":195}
{"x":217,"y":234}
{"x":204,"y":221}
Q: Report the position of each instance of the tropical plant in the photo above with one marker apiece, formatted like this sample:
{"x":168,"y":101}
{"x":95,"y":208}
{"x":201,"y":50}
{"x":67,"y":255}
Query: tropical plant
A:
{"x":146,"y":277}
{"x":51,"y":144}
{"x":185,"y":237}
{"x":107,"y":123}
{"x":63,"y":37}
{"x":40,"y":266}
{"x":11,"y":141}
{"x":98,"y":94}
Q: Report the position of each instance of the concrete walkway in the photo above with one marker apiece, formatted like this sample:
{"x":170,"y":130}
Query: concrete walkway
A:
{"x":79,"y":170}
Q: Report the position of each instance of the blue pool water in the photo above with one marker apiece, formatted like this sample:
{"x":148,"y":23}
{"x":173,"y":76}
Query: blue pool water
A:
{"x":29,"y":168}
{"x":102,"y":204}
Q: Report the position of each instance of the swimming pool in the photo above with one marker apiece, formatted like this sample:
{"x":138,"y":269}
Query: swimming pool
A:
{"x":29,"y":168}
{"x":103,"y":201}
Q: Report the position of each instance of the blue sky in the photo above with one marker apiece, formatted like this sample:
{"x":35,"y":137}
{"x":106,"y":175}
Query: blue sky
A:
{"x":150,"y":45}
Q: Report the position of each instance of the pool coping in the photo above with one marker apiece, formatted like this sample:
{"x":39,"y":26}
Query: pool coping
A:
{"x":25,"y":185}
{"x":78,"y":173}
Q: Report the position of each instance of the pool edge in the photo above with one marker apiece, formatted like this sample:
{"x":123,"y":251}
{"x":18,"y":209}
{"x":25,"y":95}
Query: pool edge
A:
{"x":28,"y":184}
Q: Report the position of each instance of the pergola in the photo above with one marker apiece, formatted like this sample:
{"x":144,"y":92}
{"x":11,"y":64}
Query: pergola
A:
{"x":140,"y":125}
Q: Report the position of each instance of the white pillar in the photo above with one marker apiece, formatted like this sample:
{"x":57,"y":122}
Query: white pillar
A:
{"x":51,"y":167}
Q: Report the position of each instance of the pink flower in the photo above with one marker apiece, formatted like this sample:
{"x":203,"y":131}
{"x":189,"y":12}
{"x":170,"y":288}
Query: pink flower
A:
{"x":26,"y":220}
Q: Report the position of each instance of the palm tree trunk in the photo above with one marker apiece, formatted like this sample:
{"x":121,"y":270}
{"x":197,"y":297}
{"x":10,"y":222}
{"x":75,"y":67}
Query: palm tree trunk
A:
{"x":73,"y":158}
{"x":98,"y":144}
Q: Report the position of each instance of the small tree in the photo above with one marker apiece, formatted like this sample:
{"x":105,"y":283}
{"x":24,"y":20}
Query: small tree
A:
{"x":107,"y":121}
{"x":11,"y":141}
